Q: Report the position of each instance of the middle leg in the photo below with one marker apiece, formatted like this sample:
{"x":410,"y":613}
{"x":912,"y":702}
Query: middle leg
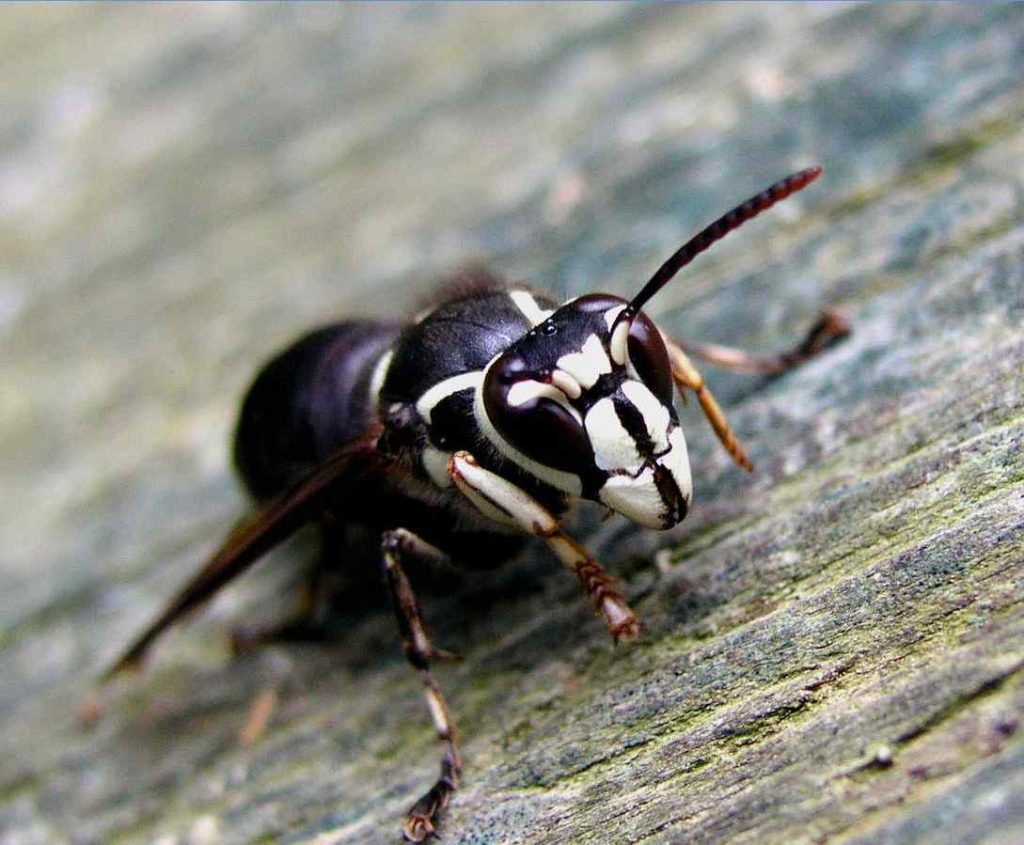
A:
{"x":421,"y":820}
{"x":830,"y":327}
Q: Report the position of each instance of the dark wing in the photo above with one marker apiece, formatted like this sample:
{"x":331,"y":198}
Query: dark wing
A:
{"x":247,"y":543}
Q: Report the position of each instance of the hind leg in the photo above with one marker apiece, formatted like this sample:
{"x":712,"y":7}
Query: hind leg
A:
{"x":303,"y":625}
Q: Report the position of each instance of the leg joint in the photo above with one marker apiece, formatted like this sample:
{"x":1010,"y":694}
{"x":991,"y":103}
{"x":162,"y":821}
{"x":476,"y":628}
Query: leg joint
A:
{"x":394,"y":540}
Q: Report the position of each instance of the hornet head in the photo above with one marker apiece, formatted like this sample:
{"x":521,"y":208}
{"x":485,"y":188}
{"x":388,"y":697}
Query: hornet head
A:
{"x":583,"y":401}
{"x":595,"y":425}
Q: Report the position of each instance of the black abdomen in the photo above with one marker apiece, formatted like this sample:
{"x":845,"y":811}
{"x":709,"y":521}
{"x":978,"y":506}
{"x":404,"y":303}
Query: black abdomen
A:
{"x":306,"y":403}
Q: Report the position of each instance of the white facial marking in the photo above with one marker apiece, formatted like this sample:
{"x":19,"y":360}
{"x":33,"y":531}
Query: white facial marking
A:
{"x":613,"y":446}
{"x":611,"y":314}
{"x":678,"y":463}
{"x":618,"y":344}
{"x":528,"y":390}
{"x":634,"y":493}
{"x":636,"y":499}
{"x":654,"y":413}
{"x":525,"y":302}
{"x":443,"y":389}
{"x":587,"y":365}
{"x":566,"y":383}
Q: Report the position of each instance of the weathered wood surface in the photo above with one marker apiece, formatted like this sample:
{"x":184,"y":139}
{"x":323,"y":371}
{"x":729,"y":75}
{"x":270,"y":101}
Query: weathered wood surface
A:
{"x":833,"y":646}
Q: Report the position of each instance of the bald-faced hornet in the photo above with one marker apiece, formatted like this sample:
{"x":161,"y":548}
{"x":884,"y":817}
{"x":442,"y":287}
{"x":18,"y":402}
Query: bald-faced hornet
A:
{"x":473,"y":426}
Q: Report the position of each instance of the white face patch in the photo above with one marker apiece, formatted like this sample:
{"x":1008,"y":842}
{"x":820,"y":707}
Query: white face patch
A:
{"x":611,"y":314}
{"x":528,"y":390}
{"x":612,"y":444}
{"x":566,"y":383}
{"x":678,"y":463}
{"x":587,"y":365}
{"x":619,"y":339}
{"x":631,"y":489}
{"x":525,"y":302}
{"x":637,"y":499}
{"x":654,"y":413}
{"x":619,"y":344}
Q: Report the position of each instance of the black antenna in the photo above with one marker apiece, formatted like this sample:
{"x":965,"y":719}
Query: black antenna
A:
{"x":715,"y":232}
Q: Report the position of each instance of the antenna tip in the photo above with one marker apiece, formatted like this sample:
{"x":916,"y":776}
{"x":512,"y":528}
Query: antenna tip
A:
{"x":787,"y":187}
{"x":805,"y":177}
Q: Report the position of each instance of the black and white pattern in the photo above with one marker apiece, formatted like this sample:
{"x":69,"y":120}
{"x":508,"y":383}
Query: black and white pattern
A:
{"x":622,"y":445}
{"x":466,"y":429}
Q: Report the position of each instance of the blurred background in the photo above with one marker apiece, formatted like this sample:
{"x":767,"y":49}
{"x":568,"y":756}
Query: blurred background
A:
{"x":185,"y":188}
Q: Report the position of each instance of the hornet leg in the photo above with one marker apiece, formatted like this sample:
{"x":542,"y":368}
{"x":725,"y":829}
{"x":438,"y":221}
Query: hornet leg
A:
{"x":422,"y":817}
{"x":830,"y":327}
{"x":501,"y":500}
{"x":299,"y":627}
{"x":685,"y":375}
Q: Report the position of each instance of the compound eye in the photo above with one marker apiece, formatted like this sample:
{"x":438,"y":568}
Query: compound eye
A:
{"x":649,"y":357}
{"x":527,"y":413}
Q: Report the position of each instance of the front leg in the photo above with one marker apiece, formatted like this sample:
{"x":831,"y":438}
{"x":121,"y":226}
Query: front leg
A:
{"x":502,"y":500}
{"x":421,"y":821}
{"x":685,"y":375}
{"x":830,"y":327}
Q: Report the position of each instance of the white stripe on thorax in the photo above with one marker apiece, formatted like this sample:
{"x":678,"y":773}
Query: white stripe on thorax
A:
{"x":525,"y":302}
{"x":448,"y":387}
{"x":380,"y":372}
